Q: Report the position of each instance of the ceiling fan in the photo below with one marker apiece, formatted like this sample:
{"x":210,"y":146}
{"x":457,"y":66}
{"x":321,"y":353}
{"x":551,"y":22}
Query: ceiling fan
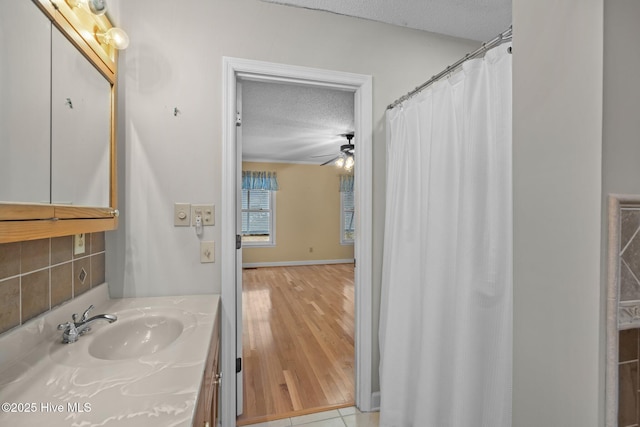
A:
{"x":345,"y":158}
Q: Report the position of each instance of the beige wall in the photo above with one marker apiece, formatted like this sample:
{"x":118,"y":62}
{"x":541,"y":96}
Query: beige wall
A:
{"x":557,"y":158}
{"x":621,"y":126}
{"x":175,"y":60}
{"x":307,"y":215}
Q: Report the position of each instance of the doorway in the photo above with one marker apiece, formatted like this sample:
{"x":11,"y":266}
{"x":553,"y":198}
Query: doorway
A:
{"x":360,"y":85}
{"x":297,"y":249}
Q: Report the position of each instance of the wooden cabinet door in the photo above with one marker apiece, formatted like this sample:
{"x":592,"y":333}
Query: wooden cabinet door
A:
{"x":207,"y":407}
{"x":215,"y":396}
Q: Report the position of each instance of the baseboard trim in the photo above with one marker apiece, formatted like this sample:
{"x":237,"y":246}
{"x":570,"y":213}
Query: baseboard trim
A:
{"x":294,"y":263}
{"x":375,"y":401}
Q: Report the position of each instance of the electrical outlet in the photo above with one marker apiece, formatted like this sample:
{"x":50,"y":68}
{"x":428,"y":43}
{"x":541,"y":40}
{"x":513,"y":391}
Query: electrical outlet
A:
{"x":79,"y":244}
{"x":206,"y":212}
{"x":207,"y":252}
{"x":182,"y":214}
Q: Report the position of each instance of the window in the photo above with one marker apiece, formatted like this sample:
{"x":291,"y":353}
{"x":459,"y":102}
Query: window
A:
{"x":347,"y":218}
{"x":258,"y":218}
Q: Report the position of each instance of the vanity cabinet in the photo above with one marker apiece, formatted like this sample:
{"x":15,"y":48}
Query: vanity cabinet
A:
{"x":207,"y":409}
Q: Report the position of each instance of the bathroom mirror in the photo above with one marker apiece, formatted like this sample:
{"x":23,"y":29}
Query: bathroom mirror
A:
{"x":55,"y":127}
{"x":80,"y":128}
{"x":57,"y":130}
{"x":25,"y":107}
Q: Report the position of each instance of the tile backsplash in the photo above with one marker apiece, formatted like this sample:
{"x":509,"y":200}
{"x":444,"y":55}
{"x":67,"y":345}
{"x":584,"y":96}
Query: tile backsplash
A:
{"x":38,"y":275}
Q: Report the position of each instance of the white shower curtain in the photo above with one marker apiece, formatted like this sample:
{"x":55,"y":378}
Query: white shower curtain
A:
{"x":446,"y":307}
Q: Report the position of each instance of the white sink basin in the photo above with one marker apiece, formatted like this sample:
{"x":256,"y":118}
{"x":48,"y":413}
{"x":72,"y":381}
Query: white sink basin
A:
{"x":138,"y":333}
{"x":136,"y":337}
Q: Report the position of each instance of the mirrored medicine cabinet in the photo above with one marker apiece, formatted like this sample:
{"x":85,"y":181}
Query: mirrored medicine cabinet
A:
{"x":57,"y":121}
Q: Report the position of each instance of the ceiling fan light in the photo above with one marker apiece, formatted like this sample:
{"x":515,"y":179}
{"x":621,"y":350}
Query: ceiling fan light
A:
{"x":348,"y":164}
{"x":340,"y":162}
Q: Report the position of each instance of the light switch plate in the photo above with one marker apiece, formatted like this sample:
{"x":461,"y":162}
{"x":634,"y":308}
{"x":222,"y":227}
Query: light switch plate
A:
{"x":207,"y":251}
{"x":182,"y":214}
{"x":79,"y":244}
{"x":206,"y":212}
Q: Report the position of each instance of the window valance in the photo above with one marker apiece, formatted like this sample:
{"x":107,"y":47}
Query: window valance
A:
{"x":259,"y":180}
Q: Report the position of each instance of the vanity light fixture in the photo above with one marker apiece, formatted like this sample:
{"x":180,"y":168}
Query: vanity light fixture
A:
{"x":115,"y":37}
{"x":97,"y":7}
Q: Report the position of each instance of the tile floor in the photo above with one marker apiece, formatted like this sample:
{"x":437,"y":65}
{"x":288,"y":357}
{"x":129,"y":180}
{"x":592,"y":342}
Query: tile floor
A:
{"x":346,"y":417}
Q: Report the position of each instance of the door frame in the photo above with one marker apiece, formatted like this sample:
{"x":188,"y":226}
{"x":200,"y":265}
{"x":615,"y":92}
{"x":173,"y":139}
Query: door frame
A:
{"x":361,"y":85}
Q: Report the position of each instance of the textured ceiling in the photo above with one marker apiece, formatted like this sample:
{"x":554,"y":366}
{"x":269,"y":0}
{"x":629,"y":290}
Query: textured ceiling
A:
{"x":289,"y":123}
{"x":292,"y":123}
{"x":470,"y":19}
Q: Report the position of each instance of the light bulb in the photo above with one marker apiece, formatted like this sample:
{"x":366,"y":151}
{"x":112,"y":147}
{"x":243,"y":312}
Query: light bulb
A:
{"x":340,"y":162}
{"x":115,"y":37}
{"x":348,"y":164}
{"x":97,"y":7}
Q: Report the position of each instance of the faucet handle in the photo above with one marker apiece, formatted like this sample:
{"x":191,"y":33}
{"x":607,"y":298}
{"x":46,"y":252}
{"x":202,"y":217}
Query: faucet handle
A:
{"x":85,"y":315}
{"x":70,"y":333}
{"x":63,"y":326}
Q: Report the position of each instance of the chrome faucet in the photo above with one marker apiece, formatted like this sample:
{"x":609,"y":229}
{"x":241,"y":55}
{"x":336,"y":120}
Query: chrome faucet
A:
{"x":73,"y":330}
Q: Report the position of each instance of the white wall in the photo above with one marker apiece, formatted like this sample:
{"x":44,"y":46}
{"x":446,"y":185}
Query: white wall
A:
{"x":557,"y":115}
{"x":174,"y":60}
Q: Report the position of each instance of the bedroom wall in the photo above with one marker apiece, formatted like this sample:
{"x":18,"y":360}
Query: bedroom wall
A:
{"x":307,"y":216}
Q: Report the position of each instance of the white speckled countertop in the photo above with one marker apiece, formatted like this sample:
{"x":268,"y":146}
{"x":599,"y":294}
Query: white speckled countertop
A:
{"x":45,"y":382}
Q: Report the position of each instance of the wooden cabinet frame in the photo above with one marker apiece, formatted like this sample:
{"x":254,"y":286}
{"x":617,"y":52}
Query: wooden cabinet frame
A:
{"x":207,"y":410}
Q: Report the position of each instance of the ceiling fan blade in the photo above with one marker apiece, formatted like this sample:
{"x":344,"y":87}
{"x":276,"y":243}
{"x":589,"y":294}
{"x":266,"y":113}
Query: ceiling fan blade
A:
{"x":330,"y":161}
{"x":322,"y":155}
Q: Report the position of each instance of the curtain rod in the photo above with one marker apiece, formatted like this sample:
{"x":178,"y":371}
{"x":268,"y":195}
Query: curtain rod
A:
{"x":496,"y":41}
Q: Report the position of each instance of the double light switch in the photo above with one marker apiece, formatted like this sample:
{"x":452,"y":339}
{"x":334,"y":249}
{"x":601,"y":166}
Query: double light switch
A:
{"x":186,"y":214}
{"x":204,"y":212}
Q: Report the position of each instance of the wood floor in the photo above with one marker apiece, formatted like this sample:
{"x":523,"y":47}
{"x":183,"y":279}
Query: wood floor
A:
{"x":298,"y":329}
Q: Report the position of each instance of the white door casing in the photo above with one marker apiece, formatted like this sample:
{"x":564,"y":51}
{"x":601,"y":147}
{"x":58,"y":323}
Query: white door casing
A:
{"x":238,"y":145}
{"x":361,"y":85}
